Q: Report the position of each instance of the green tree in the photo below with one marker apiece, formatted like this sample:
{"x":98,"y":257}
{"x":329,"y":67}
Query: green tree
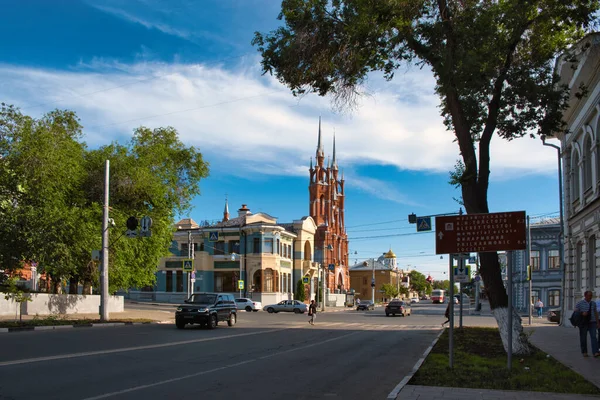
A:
{"x":299,"y":295}
{"x":13,"y":292}
{"x":390,"y":291}
{"x":418,"y":281}
{"x":492,"y":62}
{"x":52,"y":191}
{"x":444,"y":285}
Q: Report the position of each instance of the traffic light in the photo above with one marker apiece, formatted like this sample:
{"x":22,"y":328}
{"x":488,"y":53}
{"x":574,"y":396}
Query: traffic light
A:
{"x":132,"y":223}
{"x":529,"y":272}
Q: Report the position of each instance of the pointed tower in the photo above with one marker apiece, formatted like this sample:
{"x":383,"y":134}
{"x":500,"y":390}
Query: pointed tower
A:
{"x":226,"y":211}
{"x":326,"y":207}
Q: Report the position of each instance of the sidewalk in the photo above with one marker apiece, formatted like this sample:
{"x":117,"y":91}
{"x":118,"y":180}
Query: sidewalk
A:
{"x":562,"y":343}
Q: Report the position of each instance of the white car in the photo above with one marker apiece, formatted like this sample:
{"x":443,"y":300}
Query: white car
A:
{"x":414,"y":300}
{"x":248,"y":304}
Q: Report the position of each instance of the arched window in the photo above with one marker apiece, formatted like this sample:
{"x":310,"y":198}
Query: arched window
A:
{"x":575,"y":176}
{"x":587,"y":163}
{"x":269,"y":281}
{"x":322,"y":201}
{"x":307,"y":251}
{"x":257,"y":281}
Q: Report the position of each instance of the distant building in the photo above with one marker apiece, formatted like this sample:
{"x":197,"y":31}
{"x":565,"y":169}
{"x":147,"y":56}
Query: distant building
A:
{"x":545,"y":268}
{"x":386,"y":271}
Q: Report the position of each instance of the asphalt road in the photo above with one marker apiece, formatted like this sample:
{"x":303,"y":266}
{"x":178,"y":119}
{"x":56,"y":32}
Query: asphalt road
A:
{"x":345,"y":355}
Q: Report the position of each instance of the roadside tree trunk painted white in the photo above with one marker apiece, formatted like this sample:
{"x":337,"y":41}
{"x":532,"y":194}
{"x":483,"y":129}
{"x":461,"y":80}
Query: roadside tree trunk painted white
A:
{"x":520,"y":343}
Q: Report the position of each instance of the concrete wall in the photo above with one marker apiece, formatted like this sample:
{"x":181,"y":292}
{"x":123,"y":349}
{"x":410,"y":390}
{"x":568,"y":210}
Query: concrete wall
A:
{"x":47,"y":304}
{"x":7,"y":307}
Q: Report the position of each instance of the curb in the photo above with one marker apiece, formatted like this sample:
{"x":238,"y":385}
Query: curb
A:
{"x":396,"y":391}
{"x":55,"y":327}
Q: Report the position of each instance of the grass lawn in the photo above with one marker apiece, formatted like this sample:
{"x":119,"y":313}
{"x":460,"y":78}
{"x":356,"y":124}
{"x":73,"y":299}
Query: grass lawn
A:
{"x":54,"y":320}
{"x":480,"y":362}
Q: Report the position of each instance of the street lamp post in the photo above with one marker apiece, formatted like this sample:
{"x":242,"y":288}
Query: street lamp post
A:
{"x":562,"y":227}
{"x":190,"y":288}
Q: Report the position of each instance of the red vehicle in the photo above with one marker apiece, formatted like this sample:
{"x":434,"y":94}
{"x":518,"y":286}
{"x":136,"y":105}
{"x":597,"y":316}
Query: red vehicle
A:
{"x":438,"y":296}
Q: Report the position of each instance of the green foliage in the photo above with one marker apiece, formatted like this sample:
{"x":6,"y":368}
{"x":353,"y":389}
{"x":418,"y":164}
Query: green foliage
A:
{"x":418,"y":282}
{"x":300,"y":295}
{"x":52,"y":193}
{"x":390,"y":290}
{"x":444,"y":285}
{"x":13,"y":292}
{"x":480,"y":362}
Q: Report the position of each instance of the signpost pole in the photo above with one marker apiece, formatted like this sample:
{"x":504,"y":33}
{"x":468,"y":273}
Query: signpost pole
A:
{"x":451,"y":311}
{"x":188,"y":273}
{"x":373,"y":282}
{"x":323,"y":288}
{"x":104,"y":271}
{"x":529,"y":271}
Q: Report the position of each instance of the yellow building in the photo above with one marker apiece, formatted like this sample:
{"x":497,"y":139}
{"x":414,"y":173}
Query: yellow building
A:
{"x":376,"y":272}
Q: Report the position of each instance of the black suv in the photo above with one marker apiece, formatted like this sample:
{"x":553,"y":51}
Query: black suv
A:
{"x":207,"y":309}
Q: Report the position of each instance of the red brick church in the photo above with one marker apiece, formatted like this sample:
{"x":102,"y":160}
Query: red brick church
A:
{"x":327,"y":196}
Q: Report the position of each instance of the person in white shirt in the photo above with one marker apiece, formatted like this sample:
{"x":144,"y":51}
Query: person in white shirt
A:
{"x":539,"y":306}
{"x":589,"y":323}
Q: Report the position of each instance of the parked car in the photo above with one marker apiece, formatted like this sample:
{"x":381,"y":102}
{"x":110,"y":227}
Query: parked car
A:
{"x":554,"y":315}
{"x":207,"y":309}
{"x":466,"y":299}
{"x":365,"y":306}
{"x":414,"y":300}
{"x":424,"y":297}
{"x":295,"y":306}
{"x":248,"y":304}
{"x":397,"y":307}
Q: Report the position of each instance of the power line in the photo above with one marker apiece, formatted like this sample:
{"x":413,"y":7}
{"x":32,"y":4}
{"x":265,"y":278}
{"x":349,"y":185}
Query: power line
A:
{"x":377,"y":223}
{"x":395,"y":235}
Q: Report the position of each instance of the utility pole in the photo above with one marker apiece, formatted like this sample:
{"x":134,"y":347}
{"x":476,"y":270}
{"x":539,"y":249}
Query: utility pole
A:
{"x":104,"y":316}
{"x":373,"y":282}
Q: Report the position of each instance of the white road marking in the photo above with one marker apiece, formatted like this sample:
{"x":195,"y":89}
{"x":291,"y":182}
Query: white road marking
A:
{"x":126,"y":349}
{"x":179,"y":378}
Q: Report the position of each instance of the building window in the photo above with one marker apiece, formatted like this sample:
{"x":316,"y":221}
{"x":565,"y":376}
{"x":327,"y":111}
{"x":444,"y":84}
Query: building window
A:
{"x":268,"y":246}
{"x":575,"y":176}
{"x":169,"y":287}
{"x":534,"y":261}
{"x":554,"y":298}
{"x":535,"y":294}
{"x":256,"y":245}
{"x":278,"y":247}
{"x":587,"y":163}
{"x":592,"y":259}
{"x":269,"y":283}
{"x":234,"y":246}
{"x":289,"y":251}
{"x":226,"y":281}
{"x":179,"y":281}
{"x":578,"y":255}
{"x":219,"y":248}
{"x":285,"y":254}
{"x":553,"y":259}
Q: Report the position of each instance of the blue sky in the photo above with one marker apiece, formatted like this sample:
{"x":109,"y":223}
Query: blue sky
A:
{"x":189,"y":64}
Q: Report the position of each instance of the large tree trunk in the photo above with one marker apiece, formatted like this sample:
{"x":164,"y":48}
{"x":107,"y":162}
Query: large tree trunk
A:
{"x":476,"y":202}
{"x":87,"y":287}
{"x":73,"y":285}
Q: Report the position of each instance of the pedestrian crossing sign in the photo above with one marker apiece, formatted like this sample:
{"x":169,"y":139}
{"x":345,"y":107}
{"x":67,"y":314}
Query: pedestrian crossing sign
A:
{"x":240,"y":285}
{"x":423,"y":224}
{"x":188,"y":265}
{"x":213,"y":236}
{"x":305,"y":280}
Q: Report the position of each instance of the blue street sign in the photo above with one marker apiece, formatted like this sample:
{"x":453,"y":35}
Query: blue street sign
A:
{"x":423,"y":224}
{"x":188,"y":265}
{"x":331,"y":267}
{"x":213,"y":236}
{"x":305,"y":280}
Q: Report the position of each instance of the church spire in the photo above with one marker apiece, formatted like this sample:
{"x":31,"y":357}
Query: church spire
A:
{"x":226,"y":211}
{"x":320,"y":152}
{"x":334,"y":161}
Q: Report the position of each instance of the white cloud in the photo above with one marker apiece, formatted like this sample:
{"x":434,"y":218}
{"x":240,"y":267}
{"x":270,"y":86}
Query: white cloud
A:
{"x":238,"y":117}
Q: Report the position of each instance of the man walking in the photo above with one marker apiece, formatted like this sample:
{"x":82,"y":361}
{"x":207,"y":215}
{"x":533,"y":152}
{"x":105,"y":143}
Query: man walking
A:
{"x":312,"y":312}
{"x":589,"y":323}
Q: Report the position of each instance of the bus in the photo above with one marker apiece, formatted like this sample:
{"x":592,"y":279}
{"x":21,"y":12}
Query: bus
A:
{"x":438,"y":296}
